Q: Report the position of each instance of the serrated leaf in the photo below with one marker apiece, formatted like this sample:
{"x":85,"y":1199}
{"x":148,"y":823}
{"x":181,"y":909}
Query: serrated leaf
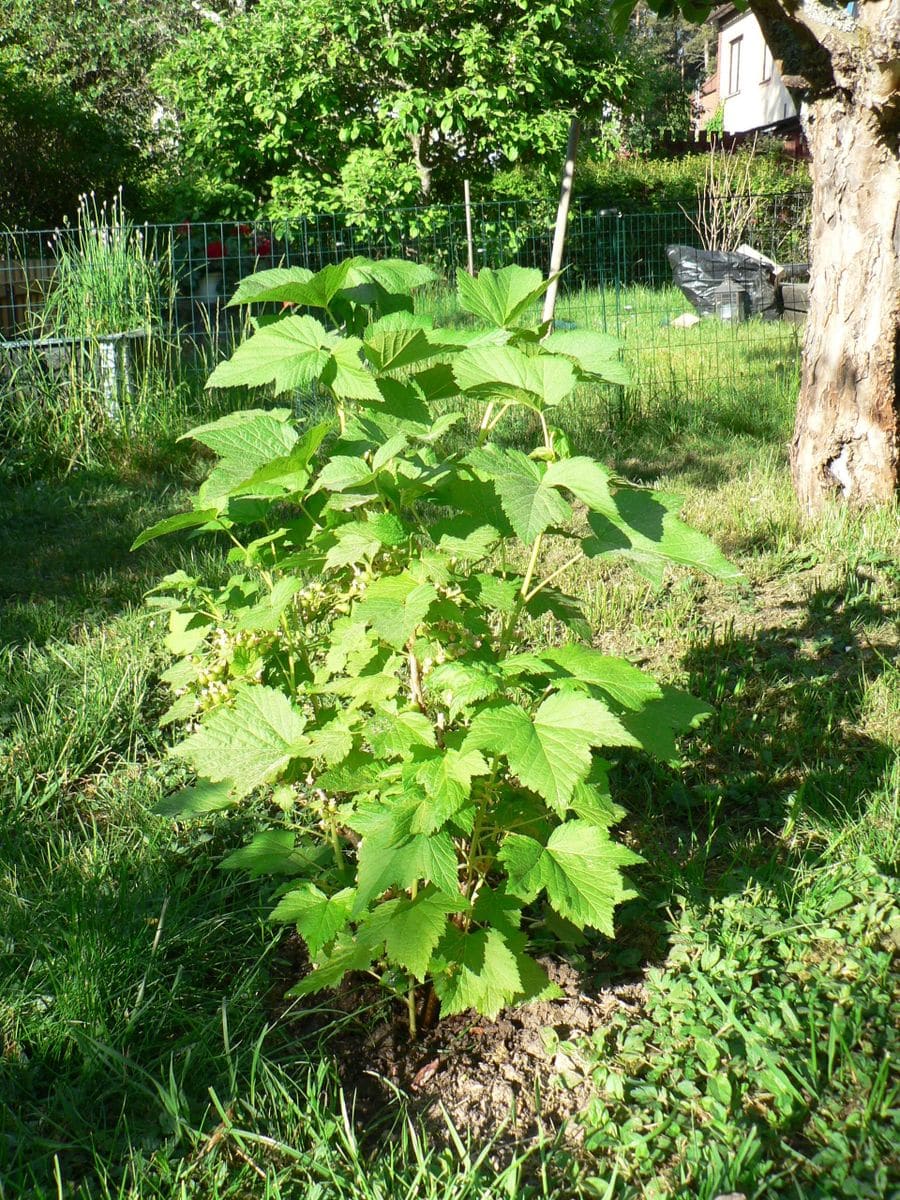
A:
{"x":202,"y":798}
{"x":385,"y":861}
{"x":500,"y":297}
{"x":504,"y":374}
{"x":596,"y":354}
{"x":529,"y":503}
{"x":188,"y":520}
{"x":394,"y":606}
{"x":459,"y":684}
{"x":394,"y":275}
{"x":659,"y":721}
{"x":404,"y":730}
{"x":288,"y":473}
{"x":579,"y":868}
{"x":481,"y":972}
{"x":330,"y":742}
{"x":319,"y":918}
{"x":271,"y":852}
{"x":294,"y":285}
{"x":466,"y":537}
{"x":363,"y":690}
{"x":584,"y":478}
{"x":244,"y":441}
{"x":297,"y":352}
{"x":415,"y":928}
{"x":279,"y":284}
{"x":551,"y":752}
{"x":398,"y":340}
{"x":342,"y":471}
{"x":348,"y":955}
{"x":446,"y":780}
{"x":563,"y":607}
{"x":355,"y":542}
{"x":626,"y":684}
{"x":267,"y":612}
{"x":646,"y":525}
{"x":248,"y":744}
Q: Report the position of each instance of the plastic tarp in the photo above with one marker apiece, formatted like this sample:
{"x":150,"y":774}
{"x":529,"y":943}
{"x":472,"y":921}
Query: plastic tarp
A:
{"x":699,"y":272}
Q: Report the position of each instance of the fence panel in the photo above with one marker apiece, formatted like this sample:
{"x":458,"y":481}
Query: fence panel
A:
{"x":617,"y":279}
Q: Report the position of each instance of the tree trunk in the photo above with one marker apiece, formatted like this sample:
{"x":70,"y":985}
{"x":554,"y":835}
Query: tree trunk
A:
{"x":846,"y":433}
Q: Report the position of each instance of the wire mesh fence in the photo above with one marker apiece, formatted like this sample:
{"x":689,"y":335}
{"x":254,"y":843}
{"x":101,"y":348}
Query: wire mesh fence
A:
{"x":176,"y":279}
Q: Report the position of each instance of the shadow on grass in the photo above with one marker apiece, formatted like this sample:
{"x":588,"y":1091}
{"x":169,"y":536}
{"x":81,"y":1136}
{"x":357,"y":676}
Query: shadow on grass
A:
{"x":783,"y":746}
{"x":66,"y":549}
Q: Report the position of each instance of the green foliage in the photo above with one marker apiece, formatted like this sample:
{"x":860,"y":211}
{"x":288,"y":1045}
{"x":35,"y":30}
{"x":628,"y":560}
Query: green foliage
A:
{"x":405,"y":96}
{"x":761,"y":1057}
{"x":360,"y":670}
{"x":641,"y":182}
{"x":76,"y":103}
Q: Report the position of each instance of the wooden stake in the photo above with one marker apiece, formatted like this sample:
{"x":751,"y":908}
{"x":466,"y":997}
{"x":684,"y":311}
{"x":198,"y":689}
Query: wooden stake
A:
{"x":469,"y":243}
{"x":562,"y":214}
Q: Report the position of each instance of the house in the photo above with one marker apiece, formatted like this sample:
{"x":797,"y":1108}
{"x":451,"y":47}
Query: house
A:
{"x":746,"y":88}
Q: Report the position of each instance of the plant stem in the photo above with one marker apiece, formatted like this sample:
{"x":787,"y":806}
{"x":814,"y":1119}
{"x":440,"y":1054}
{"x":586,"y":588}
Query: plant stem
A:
{"x":553,"y":575}
{"x":411,"y":1008}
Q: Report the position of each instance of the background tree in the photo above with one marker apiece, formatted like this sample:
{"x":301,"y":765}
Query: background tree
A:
{"x":672,"y":56}
{"x":846,"y":70}
{"x":77,"y":106}
{"x":277,"y":97}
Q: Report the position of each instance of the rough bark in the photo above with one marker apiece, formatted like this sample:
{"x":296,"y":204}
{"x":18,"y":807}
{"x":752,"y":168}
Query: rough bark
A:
{"x":846,"y":439}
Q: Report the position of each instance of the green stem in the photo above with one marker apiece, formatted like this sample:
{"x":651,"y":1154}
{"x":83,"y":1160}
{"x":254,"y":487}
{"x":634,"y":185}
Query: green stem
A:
{"x":554,"y":575}
{"x":411,"y":1008}
{"x":523,"y":597}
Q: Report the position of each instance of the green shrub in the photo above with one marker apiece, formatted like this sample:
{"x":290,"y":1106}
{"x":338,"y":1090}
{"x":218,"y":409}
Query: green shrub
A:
{"x":420,"y":778}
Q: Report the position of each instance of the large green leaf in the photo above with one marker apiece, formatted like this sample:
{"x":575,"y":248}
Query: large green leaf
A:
{"x":394,"y":606}
{"x":480,"y":971}
{"x":319,"y":918}
{"x":446,"y":780}
{"x":279,"y":284}
{"x":645,"y":526}
{"x":595,"y":354}
{"x":196,"y":801}
{"x":398,"y":340}
{"x":297,"y":352}
{"x":584,"y":478}
{"x":385,"y":860}
{"x":459,"y":684}
{"x":551,"y":752}
{"x":244,"y":441}
{"x":416,"y":926}
{"x":530,"y":504}
{"x":501,"y":297}
{"x":273,"y":852}
{"x":616,"y":676}
{"x":347,"y":955}
{"x":249,"y":744}
{"x":266,"y":613}
{"x":188,"y":520}
{"x":504,"y":374}
{"x":288,"y":473}
{"x":579,"y":868}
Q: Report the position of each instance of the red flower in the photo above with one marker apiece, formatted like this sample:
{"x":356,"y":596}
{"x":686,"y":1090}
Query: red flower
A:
{"x":215,"y":250}
{"x":243,"y":230}
{"x":263,"y":246}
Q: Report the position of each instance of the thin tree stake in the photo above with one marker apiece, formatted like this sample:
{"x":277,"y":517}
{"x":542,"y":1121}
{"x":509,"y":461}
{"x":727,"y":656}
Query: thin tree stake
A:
{"x":562,"y":216}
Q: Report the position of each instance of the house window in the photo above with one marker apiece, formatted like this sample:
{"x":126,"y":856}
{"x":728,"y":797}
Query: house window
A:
{"x":767,"y":64}
{"x":734,"y":66}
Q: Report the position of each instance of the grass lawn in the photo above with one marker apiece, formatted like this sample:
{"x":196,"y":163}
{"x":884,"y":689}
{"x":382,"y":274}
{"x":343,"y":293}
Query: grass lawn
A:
{"x":142,"y":1052}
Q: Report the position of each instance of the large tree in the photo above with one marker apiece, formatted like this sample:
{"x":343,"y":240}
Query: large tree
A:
{"x":845,"y":68}
{"x":289,"y":88}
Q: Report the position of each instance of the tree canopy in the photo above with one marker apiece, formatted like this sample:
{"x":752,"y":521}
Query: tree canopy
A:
{"x":275,"y":100}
